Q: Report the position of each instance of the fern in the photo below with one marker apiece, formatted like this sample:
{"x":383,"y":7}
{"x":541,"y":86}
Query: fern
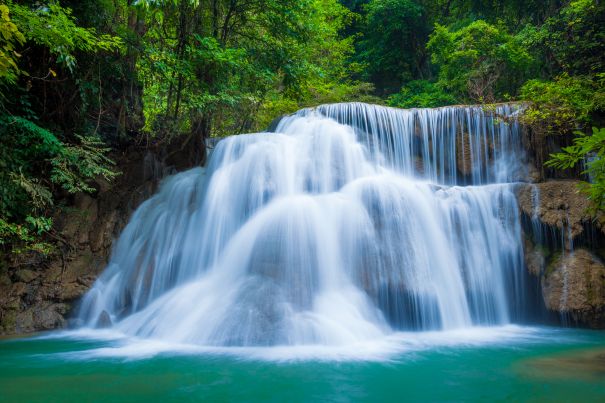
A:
{"x":39,"y":194}
{"x":589,"y":148}
{"x":33,"y":162}
{"x":76,"y":165}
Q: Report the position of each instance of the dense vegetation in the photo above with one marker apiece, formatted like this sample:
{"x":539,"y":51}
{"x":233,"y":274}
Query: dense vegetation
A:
{"x":80,"y":78}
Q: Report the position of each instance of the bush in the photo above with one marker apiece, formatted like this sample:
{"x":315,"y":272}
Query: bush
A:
{"x":588,"y":149}
{"x":421,"y":94}
{"x":34,"y":164}
{"x":479,"y":62}
{"x":564,"y":104}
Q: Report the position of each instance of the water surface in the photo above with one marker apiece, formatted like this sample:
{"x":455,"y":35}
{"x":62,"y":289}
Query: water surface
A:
{"x":497,"y":364}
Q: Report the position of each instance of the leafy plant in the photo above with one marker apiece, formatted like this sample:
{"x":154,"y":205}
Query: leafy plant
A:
{"x":35,"y":163}
{"x":590,"y":151}
{"x":10,"y":39}
{"x":564,"y":104}
{"x":53,"y":27}
{"x":421,"y":94}
{"x":392,"y":46}
{"x":480,"y":62}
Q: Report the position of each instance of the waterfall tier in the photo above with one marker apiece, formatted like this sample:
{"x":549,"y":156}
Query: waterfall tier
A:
{"x":347,"y":223}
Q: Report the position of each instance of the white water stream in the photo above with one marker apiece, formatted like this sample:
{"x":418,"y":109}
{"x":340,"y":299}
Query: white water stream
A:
{"x":349,"y":222}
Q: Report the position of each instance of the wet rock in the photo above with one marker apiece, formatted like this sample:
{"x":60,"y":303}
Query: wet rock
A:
{"x":574,"y":284}
{"x":26,"y":276}
{"x":36,"y":291}
{"x":532,"y":174}
{"x":5,"y":280}
{"x":464,"y":161}
{"x":75,"y":223}
{"x":24,"y":322}
{"x":534,"y":258}
{"x":50,"y":317}
{"x":419,"y":165}
{"x":104,"y":320}
{"x":557,"y":249}
{"x":101,"y":238}
{"x":41,"y":317}
{"x":102,"y":184}
{"x":87,"y":281}
{"x":18,"y":289}
{"x":560,"y":205}
{"x":72,"y":291}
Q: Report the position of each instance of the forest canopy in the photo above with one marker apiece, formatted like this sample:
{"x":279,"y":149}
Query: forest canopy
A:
{"x":80,"y":78}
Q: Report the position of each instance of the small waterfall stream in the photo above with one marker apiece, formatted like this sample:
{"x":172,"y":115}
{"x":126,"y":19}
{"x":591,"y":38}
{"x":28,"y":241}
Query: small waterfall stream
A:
{"x":347,"y":223}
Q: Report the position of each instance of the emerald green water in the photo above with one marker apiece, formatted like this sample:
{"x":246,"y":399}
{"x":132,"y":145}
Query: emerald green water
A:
{"x":511,"y":363}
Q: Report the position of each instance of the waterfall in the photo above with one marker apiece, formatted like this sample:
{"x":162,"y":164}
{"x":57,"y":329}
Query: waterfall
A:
{"x":347,"y":223}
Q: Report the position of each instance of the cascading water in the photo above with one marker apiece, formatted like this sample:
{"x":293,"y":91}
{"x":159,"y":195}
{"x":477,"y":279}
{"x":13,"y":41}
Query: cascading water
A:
{"x":347,"y":223}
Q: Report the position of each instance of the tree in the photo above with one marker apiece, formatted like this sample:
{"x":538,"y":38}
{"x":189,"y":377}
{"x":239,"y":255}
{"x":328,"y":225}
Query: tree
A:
{"x":421,"y":94}
{"x":564,"y":104}
{"x":208,"y":67}
{"x":513,"y":13}
{"x":10,"y":39}
{"x":479,"y":62}
{"x":35,"y":161}
{"x":393,"y":43}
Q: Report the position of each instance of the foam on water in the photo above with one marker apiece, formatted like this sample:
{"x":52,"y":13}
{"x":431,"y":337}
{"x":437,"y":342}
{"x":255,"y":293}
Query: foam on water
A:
{"x":394,"y":347}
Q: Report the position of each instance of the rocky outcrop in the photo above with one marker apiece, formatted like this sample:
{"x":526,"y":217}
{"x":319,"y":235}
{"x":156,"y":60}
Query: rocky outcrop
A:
{"x":574,"y":285}
{"x":463,"y":155}
{"x":38,"y":293}
{"x":558,"y":205}
{"x":561,"y":238}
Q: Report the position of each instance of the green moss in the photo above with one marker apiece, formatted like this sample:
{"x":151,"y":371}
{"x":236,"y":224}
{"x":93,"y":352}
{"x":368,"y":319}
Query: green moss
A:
{"x":552,"y":263}
{"x":8,"y":321}
{"x":591,"y":296}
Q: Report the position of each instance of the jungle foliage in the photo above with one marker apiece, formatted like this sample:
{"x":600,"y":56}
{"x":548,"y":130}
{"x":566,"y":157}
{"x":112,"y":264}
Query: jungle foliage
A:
{"x":82,"y":78}
{"x":588,"y":150}
{"x":548,"y":54}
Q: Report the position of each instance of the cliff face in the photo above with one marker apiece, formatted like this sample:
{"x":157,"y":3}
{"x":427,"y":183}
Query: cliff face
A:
{"x":38,"y":293}
{"x":562,"y":243}
{"x":574,"y":285}
{"x":558,"y":206}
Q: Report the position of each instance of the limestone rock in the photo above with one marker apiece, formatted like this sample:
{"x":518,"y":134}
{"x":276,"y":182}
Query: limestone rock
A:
{"x":104,"y":320}
{"x":36,"y":291}
{"x":72,"y":291}
{"x":26,"y":276}
{"x":574,"y":284}
{"x":534,"y":259}
{"x":18,"y":289}
{"x":530,"y":173}
{"x":24,"y":322}
{"x":557,"y":204}
{"x":102,"y":236}
{"x":5,"y":280}
{"x":464,"y":161}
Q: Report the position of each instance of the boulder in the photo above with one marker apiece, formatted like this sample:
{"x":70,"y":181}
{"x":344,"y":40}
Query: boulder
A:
{"x":71,"y":291}
{"x":464,"y":161}
{"x":104,"y":320}
{"x":556,"y":204}
{"x":560,"y":249}
{"x":26,"y":276}
{"x":574,"y":285}
{"x":50,"y":317}
{"x":535,"y":260}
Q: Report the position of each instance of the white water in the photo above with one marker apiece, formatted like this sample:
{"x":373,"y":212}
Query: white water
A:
{"x":343,"y":226}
